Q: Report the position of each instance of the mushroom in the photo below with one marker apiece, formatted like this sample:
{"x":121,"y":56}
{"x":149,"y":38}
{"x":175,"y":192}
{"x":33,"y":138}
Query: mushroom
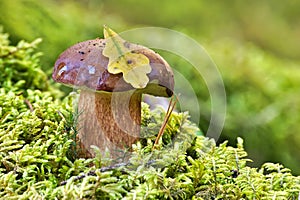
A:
{"x":109,"y":108}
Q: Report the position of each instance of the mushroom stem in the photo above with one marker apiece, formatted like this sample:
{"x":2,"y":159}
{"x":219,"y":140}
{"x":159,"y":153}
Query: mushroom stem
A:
{"x":110,"y":121}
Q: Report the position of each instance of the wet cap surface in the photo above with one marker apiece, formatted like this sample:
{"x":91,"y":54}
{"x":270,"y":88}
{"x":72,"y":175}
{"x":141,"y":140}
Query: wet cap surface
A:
{"x":83,"y":66}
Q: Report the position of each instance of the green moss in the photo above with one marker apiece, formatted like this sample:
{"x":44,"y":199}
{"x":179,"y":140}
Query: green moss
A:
{"x":38,"y":158}
{"x":260,"y":69}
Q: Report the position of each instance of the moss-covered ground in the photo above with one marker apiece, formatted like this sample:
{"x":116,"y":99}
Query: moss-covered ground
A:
{"x":38,"y":158}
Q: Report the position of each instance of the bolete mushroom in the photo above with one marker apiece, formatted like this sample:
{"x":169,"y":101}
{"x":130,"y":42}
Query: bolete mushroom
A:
{"x":109,"y":108}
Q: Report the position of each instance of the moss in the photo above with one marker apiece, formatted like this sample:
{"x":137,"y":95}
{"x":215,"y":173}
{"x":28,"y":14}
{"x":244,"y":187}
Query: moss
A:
{"x":38,"y":158}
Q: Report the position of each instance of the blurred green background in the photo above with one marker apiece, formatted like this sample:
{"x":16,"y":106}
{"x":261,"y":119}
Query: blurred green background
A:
{"x":255,"y":44}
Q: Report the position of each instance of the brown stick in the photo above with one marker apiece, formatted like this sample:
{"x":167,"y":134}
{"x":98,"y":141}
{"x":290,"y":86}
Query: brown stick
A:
{"x":166,"y":119}
{"x":29,"y":105}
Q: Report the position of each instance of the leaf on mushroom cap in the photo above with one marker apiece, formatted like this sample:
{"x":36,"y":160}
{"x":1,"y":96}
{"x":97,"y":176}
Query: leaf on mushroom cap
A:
{"x":84,"y":66}
{"x":122,"y":59}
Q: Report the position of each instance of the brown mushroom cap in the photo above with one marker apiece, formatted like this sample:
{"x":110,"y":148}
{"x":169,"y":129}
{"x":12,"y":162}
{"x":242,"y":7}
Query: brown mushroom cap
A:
{"x":83,"y":66}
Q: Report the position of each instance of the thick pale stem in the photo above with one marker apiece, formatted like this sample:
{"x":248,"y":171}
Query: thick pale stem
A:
{"x":110,"y":121}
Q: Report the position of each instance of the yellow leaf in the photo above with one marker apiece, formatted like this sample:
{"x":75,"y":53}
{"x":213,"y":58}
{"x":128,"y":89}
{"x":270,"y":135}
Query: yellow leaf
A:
{"x":134,"y":66}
